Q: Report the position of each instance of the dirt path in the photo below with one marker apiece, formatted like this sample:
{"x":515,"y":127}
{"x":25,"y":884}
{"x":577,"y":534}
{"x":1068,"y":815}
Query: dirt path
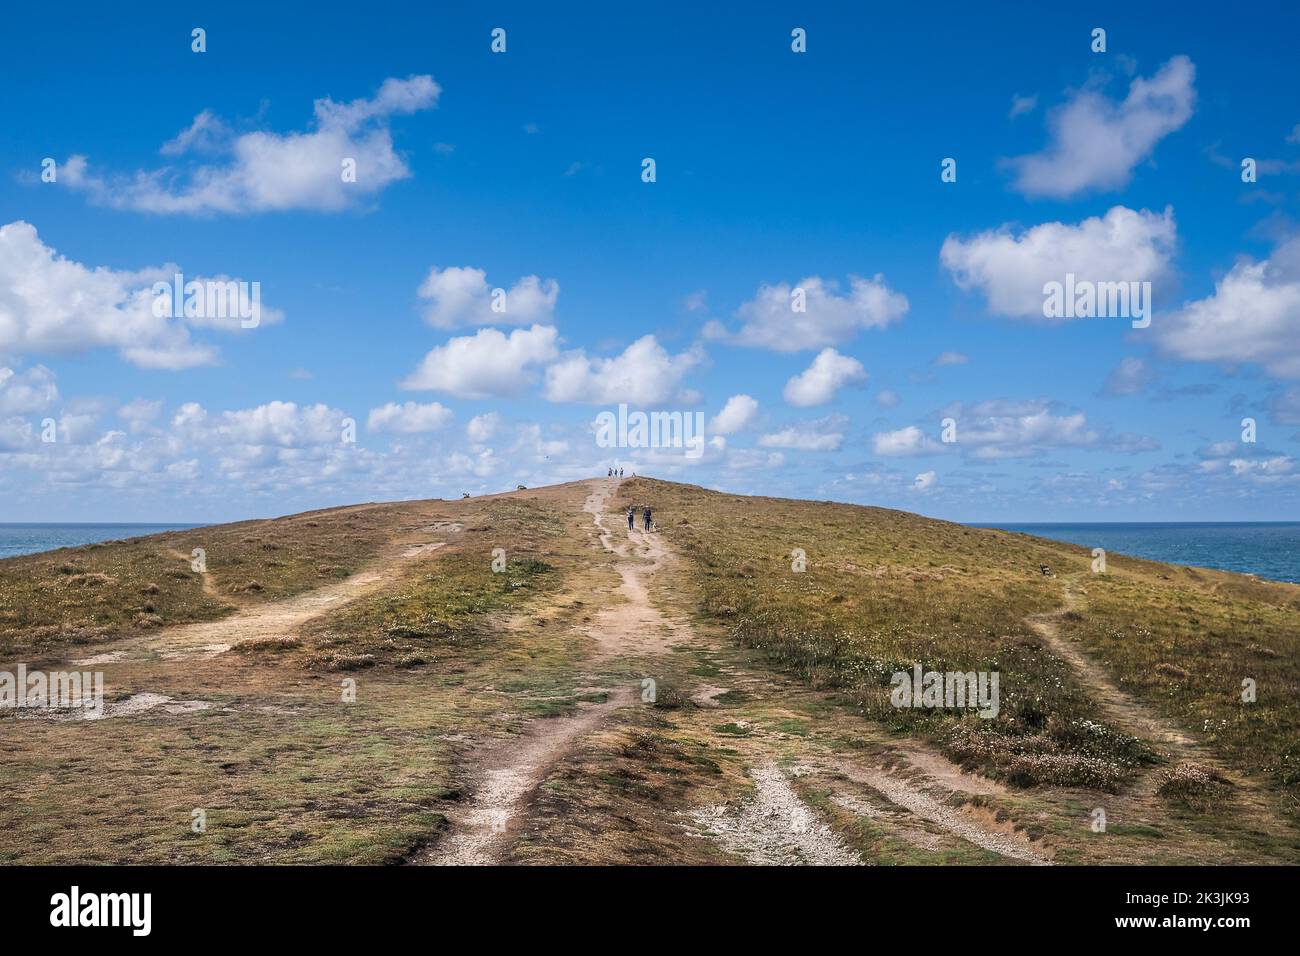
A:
{"x":508,"y":772}
{"x":208,"y":581}
{"x":1120,"y":708}
{"x":773,"y":826}
{"x":925,"y":793}
{"x":1134,"y":717}
{"x":273,"y":619}
{"x":926,"y":799}
{"x":635,"y":627}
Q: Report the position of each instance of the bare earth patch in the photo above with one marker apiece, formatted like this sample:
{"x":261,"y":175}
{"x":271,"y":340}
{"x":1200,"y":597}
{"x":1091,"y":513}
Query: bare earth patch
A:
{"x":132,"y":706}
{"x":774,"y":827}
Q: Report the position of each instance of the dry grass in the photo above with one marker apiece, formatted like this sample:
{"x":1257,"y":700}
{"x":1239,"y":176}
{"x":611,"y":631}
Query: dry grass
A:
{"x":285,"y":769}
{"x":885,"y":590}
{"x":445,"y":606}
{"x":93,"y":593}
{"x":449,"y":653}
{"x":1184,"y":640}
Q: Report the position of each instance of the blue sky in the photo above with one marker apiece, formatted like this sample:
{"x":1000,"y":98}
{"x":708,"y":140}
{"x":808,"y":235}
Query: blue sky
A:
{"x":775,"y":171}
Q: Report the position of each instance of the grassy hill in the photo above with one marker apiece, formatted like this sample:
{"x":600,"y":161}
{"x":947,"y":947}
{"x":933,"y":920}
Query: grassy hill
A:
{"x":466,"y":625}
{"x":84,"y":595}
{"x":283,"y":771}
{"x":885,"y":589}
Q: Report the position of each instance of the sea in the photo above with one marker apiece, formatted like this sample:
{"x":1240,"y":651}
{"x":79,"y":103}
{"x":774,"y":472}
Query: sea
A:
{"x":1269,"y":549}
{"x":29,"y":538}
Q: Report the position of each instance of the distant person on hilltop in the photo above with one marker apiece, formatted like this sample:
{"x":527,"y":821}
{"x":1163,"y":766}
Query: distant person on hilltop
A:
{"x":610,"y":473}
{"x":646,"y":513}
{"x":631,"y":517}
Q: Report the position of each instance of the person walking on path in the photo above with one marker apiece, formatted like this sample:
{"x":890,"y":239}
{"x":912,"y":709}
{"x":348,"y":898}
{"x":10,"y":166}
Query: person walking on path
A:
{"x":631,"y":518}
{"x":646,"y":513}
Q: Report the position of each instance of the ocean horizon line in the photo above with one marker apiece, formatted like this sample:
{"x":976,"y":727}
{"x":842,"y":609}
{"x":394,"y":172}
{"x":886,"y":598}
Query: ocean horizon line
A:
{"x":994,"y":525}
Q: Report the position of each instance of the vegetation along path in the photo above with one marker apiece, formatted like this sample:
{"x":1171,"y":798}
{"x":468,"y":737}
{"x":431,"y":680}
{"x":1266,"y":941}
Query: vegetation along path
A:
{"x":520,"y":678}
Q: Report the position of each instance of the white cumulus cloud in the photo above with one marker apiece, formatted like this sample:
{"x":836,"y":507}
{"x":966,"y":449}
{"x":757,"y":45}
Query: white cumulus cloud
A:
{"x":1022,"y":429}
{"x":24,"y":392}
{"x":481,"y":428}
{"x":262,"y":170}
{"x":828,"y":316}
{"x":1011,"y":269}
{"x":460,"y":296}
{"x":52,"y":305}
{"x":823,"y":434}
{"x":1096,"y":142}
{"x":829,"y":372}
{"x":736,"y":415}
{"x":281,"y":424}
{"x":487,"y":364}
{"x":1252,"y":317}
{"x":905,"y":443}
{"x":1276,"y":470}
{"x":642,"y":374}
{"x":409,"y":418}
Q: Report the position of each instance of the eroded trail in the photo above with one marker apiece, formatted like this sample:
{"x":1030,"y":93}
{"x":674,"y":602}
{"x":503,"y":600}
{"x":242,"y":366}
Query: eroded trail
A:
{"x":633,"y":628}
{"x":626,"y":627}
{"x":1134,"y":717}
{"x":925,"y":799}
{"x":275,"y":619}
{"x":773,"y":825}
{"x":1122,"y":709}
{"x":509,"y":773}
{"x":916,"y":796}
{"x":738,"y":759}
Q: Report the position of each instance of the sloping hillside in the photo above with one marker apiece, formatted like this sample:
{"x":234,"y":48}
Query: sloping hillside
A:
{"x":519,"y":678}
{"x":885,"y":589}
